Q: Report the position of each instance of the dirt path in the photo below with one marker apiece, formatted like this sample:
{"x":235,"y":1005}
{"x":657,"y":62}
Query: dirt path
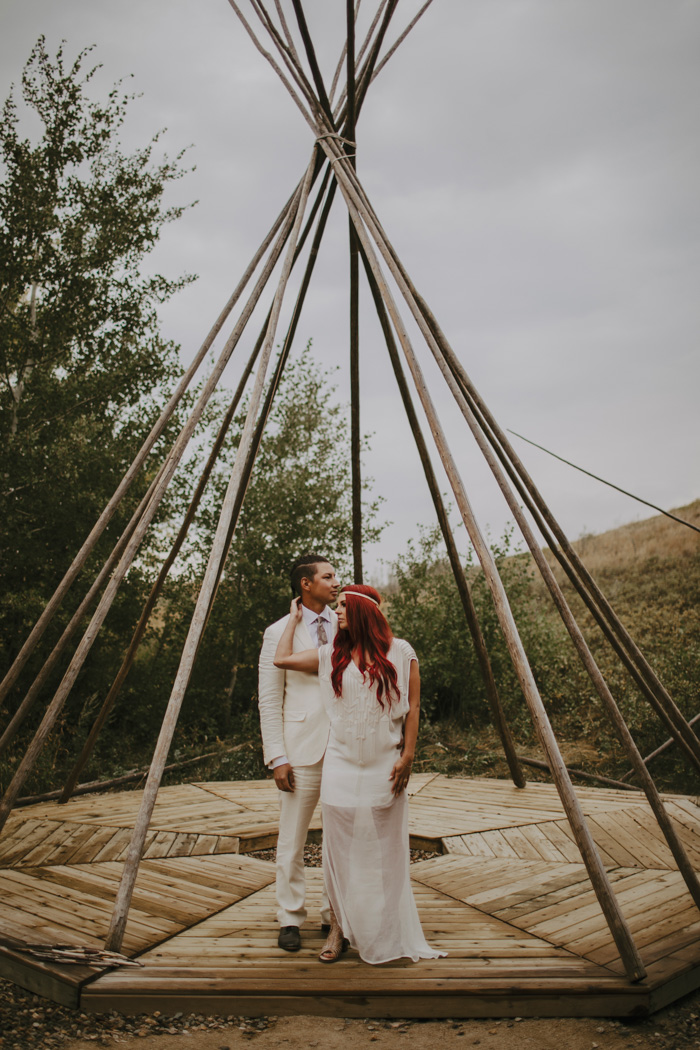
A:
{"x":28,"y":1022}
{"x":288,"y":1033}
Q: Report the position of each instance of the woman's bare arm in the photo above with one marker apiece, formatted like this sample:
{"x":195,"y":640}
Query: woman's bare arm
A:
{"x":402,"y":767}
{"x":284,"y":657}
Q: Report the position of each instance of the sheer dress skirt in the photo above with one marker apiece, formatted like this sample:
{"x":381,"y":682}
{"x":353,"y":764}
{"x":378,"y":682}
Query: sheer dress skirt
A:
{"x":366,"y":858}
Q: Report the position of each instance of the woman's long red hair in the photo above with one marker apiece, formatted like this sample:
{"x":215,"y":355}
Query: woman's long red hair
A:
{"x":369,"y":631}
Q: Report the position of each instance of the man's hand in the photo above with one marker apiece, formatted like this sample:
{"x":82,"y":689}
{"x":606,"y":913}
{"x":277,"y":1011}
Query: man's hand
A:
{"x":284,"y":777}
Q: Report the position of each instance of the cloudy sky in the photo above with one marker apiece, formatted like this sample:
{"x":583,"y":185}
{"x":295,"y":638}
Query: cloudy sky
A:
{"x":536,"y":164}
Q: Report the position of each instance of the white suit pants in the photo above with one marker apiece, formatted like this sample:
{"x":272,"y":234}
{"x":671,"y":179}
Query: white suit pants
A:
{"x":296,"y":810}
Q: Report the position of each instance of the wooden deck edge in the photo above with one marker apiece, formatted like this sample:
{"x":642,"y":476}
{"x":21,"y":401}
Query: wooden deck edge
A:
{"x":631,"y":1003}
{"x":62,"y":984}
{"x":667,"y":992}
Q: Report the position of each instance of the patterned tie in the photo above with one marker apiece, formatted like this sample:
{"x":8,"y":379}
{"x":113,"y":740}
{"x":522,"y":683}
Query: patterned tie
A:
{"x":321,"y":632}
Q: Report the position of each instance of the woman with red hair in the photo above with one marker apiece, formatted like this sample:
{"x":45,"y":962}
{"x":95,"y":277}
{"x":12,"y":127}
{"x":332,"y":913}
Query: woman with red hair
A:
{"x":371,"y":689}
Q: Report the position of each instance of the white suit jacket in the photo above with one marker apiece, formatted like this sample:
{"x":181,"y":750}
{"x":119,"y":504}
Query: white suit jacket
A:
{"x":293,"y":720}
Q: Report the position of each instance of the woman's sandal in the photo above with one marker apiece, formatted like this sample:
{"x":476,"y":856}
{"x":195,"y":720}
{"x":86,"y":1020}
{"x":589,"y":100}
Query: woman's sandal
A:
{"x":331,"y":955}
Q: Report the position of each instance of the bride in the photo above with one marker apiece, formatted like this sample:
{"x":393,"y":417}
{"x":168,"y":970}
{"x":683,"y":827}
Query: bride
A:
{"x":371,"y":689}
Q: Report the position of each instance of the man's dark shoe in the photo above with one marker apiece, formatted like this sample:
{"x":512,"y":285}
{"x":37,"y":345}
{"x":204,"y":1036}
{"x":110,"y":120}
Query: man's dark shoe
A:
{"x":289,"y":939}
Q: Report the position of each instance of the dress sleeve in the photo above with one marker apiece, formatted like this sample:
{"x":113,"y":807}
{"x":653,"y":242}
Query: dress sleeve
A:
{"x":409,"y":653}
{"x":405,"y":653}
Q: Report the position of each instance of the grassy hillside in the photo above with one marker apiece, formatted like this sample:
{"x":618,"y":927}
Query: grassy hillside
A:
{"x":650,"y":572}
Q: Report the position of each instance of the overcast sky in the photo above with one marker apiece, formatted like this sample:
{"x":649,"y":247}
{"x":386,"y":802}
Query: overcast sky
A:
{"x":536,"y":163}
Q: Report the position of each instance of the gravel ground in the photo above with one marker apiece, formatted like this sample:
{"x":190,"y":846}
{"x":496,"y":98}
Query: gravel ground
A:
{"x":313,"y":855}
{"x":28,"y":1022}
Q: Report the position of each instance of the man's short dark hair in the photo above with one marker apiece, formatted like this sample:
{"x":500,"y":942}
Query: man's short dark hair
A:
{"x":304,"y":568}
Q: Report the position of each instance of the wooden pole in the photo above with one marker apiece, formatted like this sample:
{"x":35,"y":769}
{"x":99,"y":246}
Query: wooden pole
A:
{"x":601,"y":884}
{"x":156,"y":431}
{"x":337,"y":112}
{"x":575,"y":633}
{"x":434,"y":335}
{"x":400,"y":39}
{"x":126,"y":887}
{"x":140,"y":629}
{"x":494,"y":700}
{"x":165,"y":569}
{"x":272,"y":390}
{"x":289,"y":55}
{"x":341,"y":60}
{"x":50,"y":664}
{"x":355,"y":427}
{"x":659,"y":750}
{"x":680,"y":735}
{"x":268,"y":58}
{"x":604,"y":614}
{"x":96,"y":786}
{"x":441,"y":354}
{"x":537,"y":764}
{"x":172,"y":461}
{"x":311,"y":56}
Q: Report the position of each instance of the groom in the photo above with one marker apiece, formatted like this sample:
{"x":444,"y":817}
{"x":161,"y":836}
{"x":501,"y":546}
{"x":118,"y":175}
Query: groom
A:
{"x":294,"y":728}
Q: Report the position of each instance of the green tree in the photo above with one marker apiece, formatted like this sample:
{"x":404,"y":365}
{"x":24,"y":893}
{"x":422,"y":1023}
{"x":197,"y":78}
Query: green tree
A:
{"x":82,"y":364}
{"x":298,"y":501}
{"x":425,"y":608}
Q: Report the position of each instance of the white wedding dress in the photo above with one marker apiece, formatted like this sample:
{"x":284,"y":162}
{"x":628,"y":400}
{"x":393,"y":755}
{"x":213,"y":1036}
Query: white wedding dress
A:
{"x":365,"y":827}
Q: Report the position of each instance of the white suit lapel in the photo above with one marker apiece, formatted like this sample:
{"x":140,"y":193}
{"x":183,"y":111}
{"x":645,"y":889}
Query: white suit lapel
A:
{"x":302,"y":638}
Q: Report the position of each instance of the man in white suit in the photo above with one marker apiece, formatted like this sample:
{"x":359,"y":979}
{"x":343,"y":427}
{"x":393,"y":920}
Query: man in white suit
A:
{"x":295,"y":730}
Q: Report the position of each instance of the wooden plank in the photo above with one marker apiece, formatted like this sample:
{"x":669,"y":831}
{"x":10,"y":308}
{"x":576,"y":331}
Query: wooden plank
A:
{"x":522,"y":845}
{"x":627,"y":1001}
{"x":608,"y":860}
{"x":61,"y":984}
{"x":36,"y":834}
{"x":507,"y":903}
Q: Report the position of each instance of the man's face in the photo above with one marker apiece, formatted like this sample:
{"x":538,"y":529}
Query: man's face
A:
{"x":324,"y":586}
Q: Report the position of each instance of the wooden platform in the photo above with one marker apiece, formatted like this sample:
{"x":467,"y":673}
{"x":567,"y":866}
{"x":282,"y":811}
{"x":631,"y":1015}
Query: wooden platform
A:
{"x":508,"y":899}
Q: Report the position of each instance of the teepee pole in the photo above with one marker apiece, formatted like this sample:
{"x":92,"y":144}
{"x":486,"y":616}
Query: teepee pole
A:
{"x":560,"y":602}
{"x":288,"y":55}
{"x":213,"y":456}
{"x":584,"y":653}
{"x":273,"y":386}
{"x":341,"y":60}
{"x":285,"y":29}
{"x":400,"y":39}
{"x":680,"y":736}
{"x":615,"y":632}
{"x":171,"y":464}
{"x":340,"y":105}
{"x":311,"y":56}
{"x":631,"y":656}
{"x":156,"y":431}
{"x":355,"y":426}
{"x":117,"y":926}
{"x":51,"y":662}
{"x":494,"y":700}
{"x":268,"y":58}
{"x":618,"y":926}
{"x":156,"y":590}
